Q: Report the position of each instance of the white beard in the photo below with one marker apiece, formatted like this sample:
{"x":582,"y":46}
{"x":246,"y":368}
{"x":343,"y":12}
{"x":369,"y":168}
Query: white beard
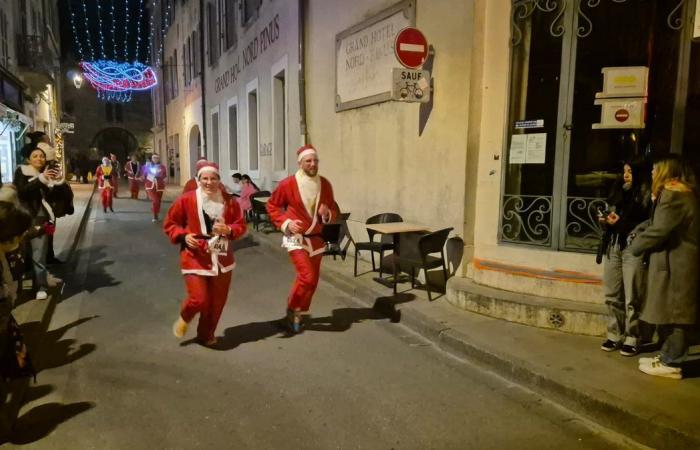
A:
{"x":213,"y":205}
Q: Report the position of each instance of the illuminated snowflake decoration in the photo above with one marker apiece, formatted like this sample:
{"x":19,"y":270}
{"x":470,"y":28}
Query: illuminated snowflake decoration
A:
{"x":116,"y":81}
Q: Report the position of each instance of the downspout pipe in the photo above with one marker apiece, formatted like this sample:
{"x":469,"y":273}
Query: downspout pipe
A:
{"x":303,"y":130}
{"x":202,"y":61}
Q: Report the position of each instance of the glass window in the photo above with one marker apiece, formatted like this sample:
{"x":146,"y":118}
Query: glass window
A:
{"x":250,"y":11}
{"x":279,"y":118}
{"x":233,"y":137}
{"x":253,"y":130}
{"x":230,"y":29}
{"x":215,"y":137}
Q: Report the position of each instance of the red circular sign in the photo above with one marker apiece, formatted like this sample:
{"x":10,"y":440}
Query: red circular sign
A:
{"x":411,"y":47}
{"x":621,"y":115}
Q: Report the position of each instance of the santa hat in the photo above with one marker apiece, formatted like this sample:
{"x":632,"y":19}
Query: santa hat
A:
{"x":105,"y":159}
{"x":305,"y":151}
{"x":207,"y":166}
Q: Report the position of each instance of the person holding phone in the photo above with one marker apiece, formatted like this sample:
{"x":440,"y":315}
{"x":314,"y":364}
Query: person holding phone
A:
{"x":34,"y":181}
{"x":624,"y":277}
{"x":204,"y":222}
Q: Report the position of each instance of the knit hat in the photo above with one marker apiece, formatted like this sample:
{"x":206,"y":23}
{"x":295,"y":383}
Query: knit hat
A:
{"x":207,"y":166}
{"x":305,"y":151}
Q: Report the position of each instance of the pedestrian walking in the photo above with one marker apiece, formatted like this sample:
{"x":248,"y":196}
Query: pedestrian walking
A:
{"x":624,"y":274}
{"x":299,"y":206}
{"x":103,"y":174}
{"x":671,"y":243}
{"x":116,"y":173}
{"x":133,"y":169}
{"x":204,"y":222}
{"x":154,"y":175}
{"x":34,"y":181}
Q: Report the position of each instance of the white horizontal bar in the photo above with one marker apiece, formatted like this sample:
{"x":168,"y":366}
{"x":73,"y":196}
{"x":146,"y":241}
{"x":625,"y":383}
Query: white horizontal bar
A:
{"x":412,"y":48}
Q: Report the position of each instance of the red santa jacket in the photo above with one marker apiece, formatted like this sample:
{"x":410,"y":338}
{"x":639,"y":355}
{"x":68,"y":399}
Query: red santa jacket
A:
{"x":186,"y":216}
{"x":132,"y":173}
{"x":101,"y":173}
{"x":154,"y":176}
{"x":286,"y":205}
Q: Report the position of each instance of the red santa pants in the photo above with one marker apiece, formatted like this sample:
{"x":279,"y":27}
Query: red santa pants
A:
{"x":115,"y":185}
{"x":155,"y":197}
{"x":308,"y":270}
{"x":134,"y":188}
{"x":106,"y":198}
{"x":206,"y":296}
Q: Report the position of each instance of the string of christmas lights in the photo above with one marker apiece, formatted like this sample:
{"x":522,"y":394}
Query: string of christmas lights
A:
{"x":102,"y":36}
{"x":138,"y":30}
{"x":71,"y":13}
{"x":87,"y":31}
{"x":149,"y":56}
{"x":113,"y":29}
{"x":126,"y":28}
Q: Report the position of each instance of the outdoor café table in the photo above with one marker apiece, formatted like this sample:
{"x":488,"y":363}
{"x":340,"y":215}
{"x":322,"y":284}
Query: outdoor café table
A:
{"x":395,"y":229}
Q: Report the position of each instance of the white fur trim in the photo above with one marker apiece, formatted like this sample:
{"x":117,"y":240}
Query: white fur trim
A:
{"x":208,"y":169}
{"x":306,"y":152}
{"x":284,"y":226}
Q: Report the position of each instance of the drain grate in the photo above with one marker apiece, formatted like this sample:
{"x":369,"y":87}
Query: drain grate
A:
{"x":556,"y":319}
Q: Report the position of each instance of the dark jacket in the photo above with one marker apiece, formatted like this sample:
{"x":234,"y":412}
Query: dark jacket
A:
{"x":633,"y":205}
{"x":33,"y":189}
{"x":671,"y":241}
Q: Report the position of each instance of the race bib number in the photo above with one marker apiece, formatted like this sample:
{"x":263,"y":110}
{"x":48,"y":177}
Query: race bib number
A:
{"x":218,"y":245}
{"x":150,"y":177}
{"x":292,"y":242}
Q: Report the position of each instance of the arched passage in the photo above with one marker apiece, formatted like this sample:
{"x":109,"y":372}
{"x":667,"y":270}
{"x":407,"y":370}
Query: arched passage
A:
{"x":115,"y":140}
{"x":195,"y":147}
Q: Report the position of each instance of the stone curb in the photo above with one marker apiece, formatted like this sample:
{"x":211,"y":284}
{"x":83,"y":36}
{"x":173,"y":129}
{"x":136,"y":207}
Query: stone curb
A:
{"x":634,"y":424}
{"x":41,"y":312}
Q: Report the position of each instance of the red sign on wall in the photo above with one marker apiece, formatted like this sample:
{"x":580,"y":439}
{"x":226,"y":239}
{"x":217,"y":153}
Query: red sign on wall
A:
{"x":411,"y":47}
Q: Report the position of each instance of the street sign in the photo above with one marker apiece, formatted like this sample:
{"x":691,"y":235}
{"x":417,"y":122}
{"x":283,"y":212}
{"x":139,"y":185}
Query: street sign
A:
{"x":411,"y":48}
{"x":410,"y":85}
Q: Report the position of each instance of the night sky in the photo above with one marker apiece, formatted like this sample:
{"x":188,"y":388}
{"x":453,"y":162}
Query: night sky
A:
{"x":111,"y":45}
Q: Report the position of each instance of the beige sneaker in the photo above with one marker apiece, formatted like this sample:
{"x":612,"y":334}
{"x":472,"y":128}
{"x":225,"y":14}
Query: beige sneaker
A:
{"x":647,"y":361}
{"x":660,"y":369}
{"x":179,"y":328}
{"x":41,"y":295}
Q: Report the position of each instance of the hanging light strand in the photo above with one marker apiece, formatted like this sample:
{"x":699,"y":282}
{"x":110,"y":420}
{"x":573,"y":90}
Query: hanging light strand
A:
{"x":79,"y":44}
{"x":87,"y":32}
{"x":166,"y":24}
{"x":101,"y":34}
{"x":113,"y":29}
{"x":150,"y":32}
{"x":126,"y":30}
{"x":138,"y":31}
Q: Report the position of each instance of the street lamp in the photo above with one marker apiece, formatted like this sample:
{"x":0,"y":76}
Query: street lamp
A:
{"x":77,"y":80}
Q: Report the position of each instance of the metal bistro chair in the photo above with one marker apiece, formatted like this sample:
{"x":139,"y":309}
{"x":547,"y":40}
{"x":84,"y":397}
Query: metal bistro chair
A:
{"x":259,"y":210}
{"x":385,"y":243}
{"x":417,"y":255}
{"x":333,"y":234}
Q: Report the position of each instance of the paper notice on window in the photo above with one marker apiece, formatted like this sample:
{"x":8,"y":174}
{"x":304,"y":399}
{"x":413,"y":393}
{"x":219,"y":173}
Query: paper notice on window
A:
{"x":536,"y":148}
{"x":518,"y":149}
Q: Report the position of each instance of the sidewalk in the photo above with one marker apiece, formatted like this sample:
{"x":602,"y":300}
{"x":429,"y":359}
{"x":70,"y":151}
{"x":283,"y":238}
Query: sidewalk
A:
{"x":34,"y":315}
{"x":569,"y":369}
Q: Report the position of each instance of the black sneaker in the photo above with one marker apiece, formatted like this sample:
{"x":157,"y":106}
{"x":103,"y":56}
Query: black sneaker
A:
{"x":609,"y":346}
{"x":629,"y":350}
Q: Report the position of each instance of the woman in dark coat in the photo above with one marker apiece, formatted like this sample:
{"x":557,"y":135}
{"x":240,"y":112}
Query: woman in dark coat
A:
{"x":35,"y":181}
{"x":671,"y":242}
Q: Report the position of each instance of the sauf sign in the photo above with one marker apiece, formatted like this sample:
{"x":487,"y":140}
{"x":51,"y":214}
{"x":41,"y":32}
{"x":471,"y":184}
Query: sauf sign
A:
{"x":411,"y":84}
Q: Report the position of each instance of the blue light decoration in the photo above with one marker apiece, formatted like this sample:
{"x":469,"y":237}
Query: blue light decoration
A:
{"x":114,"y":80}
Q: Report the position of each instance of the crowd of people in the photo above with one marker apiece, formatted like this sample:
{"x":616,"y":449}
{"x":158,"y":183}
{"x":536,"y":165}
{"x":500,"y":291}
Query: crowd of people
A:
{"x":650,"y":252}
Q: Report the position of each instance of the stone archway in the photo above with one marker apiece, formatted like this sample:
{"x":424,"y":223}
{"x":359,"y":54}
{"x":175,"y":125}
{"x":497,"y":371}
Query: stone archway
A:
{"x":119,"y":141}
{"x":195,"y":147}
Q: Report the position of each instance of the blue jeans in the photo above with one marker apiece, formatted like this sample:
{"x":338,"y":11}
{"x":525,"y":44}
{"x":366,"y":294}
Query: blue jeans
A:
{"x":624,"y":280}
{"x":40,"y":245}
{"x":674,"y":349}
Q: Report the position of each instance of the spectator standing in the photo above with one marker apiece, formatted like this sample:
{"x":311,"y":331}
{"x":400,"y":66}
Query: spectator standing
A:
{"x":203,"y":222}
{"x":133,"y":169}
{"x":104,"y":177}
{"x":671,"y":243}
{"x":154,"y":175}
{"x":624,"y":274}
{"x":116,"y":173}
{"x":34,"y":181}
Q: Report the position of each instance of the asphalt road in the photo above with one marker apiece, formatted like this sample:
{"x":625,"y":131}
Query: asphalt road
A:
{"x":113,"y":376}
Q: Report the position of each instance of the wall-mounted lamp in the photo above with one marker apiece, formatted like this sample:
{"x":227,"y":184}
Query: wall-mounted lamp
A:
{"x":77,"y":80}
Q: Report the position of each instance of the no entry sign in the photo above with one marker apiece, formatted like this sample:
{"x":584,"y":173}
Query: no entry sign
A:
{"x":411,"y":47}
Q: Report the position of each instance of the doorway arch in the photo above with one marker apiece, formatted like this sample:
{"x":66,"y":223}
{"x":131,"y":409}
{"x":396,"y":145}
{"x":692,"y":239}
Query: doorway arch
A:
{"x":119,"y":141}
{"x":195,"y":147}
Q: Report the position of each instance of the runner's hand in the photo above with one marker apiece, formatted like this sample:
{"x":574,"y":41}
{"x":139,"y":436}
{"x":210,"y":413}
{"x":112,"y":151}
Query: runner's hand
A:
{"x":221,"y":228}
{"x":294,"y":227}
{"x":324,"y":212}
{"x":191,"y":241}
